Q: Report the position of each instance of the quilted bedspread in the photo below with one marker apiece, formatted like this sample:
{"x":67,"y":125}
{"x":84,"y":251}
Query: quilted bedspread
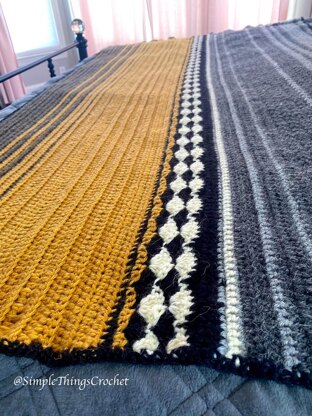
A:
{"x":158,"y":390}
{"x":156,"y":208}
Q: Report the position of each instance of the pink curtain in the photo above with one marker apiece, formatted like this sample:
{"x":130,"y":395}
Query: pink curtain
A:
{"x":14,"y":88}
{"x":113,"y":22}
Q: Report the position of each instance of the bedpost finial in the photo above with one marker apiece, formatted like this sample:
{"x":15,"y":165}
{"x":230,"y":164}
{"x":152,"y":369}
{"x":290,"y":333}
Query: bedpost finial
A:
{"x":77,"y":26}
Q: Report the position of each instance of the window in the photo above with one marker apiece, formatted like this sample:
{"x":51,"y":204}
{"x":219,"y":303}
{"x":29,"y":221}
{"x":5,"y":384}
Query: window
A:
{"x":32,"y":25}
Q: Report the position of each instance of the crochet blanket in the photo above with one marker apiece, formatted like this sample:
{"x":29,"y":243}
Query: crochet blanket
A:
{"x":156,"y":207}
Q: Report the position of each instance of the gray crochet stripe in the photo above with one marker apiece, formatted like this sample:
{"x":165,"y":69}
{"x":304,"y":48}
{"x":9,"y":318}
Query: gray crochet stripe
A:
{"x":20,"y":121}
{"x":49,"y":95}
{"x":281,"y":174}
{"x":270,"y":250}
{"x":298,"y":37}
{"x":293,"y":205}
{"x":257,"y":138}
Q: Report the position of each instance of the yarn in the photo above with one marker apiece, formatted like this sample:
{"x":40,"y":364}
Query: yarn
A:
{"x":156,"y":207}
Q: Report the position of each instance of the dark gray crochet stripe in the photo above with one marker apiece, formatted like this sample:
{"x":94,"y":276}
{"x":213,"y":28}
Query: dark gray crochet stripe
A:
{"x":298,"y":37}
{"x":50,"y":98}
{"x":21,"y":120}
{"x":282,"y":58}
{"x":305,"y":26}
{"x":263,"y":95}
{"x":275,"y":266}
{"x":297,"y":110}
{"x":285,"y":40}
{"x":47,"y":100}
{"x":248,"y":249}
{"x":56,"y":122}
{"x":290,"y":223}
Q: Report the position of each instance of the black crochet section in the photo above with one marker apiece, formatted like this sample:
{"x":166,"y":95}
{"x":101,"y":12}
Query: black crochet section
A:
{"x":203,"y":325}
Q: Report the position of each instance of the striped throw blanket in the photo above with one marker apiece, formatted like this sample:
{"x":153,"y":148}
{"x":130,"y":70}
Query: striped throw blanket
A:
{"x":156,"y":207}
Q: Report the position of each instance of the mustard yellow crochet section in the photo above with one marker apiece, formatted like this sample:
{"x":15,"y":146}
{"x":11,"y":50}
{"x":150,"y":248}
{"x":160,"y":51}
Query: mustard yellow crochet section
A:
{"x":69,"y":226}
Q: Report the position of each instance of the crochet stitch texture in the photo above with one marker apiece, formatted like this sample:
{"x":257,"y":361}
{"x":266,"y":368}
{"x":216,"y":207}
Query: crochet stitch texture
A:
{"x":156,"y":207}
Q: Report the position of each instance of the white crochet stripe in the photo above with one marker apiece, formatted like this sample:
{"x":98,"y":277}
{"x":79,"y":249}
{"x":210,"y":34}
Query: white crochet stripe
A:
{"x":234,"y":344}
{"x":181,"y":302}
{"x":152,"y":306}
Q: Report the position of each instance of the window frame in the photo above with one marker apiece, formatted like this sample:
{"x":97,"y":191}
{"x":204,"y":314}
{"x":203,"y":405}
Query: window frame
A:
{"x":38,"y":52}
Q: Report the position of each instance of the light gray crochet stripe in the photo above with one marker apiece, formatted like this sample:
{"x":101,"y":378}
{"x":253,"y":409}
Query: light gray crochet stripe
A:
{"x":279,"y":42}
{"x":281,"y":303}
{"x":302,"y":93}
{"x":232,"y":323}
{"x":223,"y":347}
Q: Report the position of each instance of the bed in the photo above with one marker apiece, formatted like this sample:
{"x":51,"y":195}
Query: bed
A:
{"x":156,"y":210}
